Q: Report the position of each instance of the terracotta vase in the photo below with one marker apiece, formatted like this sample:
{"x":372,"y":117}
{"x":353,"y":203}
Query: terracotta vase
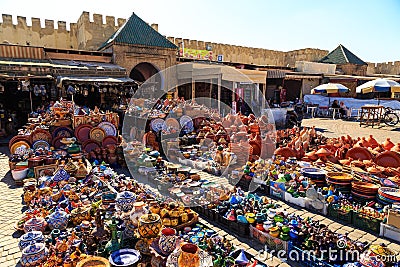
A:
{"x":189,"y":256}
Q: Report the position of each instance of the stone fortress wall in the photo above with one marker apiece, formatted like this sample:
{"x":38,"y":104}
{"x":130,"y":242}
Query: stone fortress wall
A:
{"x":89,"y":34}
{"x":82,"y":35}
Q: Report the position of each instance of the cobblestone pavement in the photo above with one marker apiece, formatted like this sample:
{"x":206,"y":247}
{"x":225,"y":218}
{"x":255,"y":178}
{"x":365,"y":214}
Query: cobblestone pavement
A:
{"x":335,"y":128}
{"x":10,"y":211}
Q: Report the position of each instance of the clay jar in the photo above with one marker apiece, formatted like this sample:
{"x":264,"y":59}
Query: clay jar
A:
{"x":189,"y":256}
{"x":149,"y":225}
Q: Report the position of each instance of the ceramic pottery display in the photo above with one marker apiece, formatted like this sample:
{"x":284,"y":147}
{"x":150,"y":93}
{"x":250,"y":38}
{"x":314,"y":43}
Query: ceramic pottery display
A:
{"x":149,"y":225}
{"x":35,"y":224}
{"x":189,"y":256}
{"x":30,"y":238}
{"x":125,"y":200}
{"x":58,"y":220}
{"x":167,"y":242}
{"x":33,"y":255}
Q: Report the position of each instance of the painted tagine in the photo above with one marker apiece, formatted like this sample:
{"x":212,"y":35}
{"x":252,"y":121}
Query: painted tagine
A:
{"x":125,"y":200}
{"x":30,"y":238}
{"x":58,"y":220}
{"x":149,"y":225}
{"x":35,"y":224}
{"x":33,"y":255}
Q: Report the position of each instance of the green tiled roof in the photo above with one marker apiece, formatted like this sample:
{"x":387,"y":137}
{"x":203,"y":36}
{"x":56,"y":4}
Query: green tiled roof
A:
{"x":137,"y":32}
{"x":341,"y":55}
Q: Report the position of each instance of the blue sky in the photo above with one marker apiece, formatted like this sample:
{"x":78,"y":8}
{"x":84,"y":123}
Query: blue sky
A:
{"x":368,"y":28}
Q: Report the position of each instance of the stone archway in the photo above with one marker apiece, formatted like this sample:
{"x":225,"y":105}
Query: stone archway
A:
{"x":143,"y":71}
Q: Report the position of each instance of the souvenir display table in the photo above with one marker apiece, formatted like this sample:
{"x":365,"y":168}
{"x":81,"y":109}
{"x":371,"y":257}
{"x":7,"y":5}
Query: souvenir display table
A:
{"x":371,"y":115}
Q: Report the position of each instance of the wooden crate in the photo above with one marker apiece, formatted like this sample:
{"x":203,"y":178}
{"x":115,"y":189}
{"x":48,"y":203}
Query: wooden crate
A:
{"x":271,"y":242}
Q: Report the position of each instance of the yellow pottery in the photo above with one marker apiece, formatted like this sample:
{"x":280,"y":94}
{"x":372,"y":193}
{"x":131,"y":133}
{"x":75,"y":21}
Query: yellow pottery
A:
{"x":274,"y":231}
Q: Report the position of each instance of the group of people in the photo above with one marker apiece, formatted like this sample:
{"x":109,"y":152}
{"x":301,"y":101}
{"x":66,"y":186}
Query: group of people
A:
{"x":343,"y":110}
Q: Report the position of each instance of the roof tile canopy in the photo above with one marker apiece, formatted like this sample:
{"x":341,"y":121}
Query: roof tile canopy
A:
{"x":341,"y":55}
{"x":137,"y":32}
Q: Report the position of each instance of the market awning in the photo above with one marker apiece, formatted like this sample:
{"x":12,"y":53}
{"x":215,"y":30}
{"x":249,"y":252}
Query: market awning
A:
{"x":299,"y":76}
{"x":275,"y":74}
{"x":243,"y":75}
{"x":61,"y":79}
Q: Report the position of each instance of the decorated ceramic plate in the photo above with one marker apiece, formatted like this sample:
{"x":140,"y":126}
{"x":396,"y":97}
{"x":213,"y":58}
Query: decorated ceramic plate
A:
{"x":82,"y":132}
{"x":124,"y":257}
{"x":97,"y":134}
{"x":185,"y":119}
{"x":19,"y":147}
{"x":63,"y":131}
{"x":108,"y":127}
{"x":41,"y":144}
{"x":41,"y":134}
{"x":390,"y":193}
{"x":109,"y":140}
{"x":360,"y":153}
{"x":90,"y":145}
{"x":92,"y":261}
{"x":25,"y":138}
{"x":157,"y":124}
{"x":56,"y":143}
{"x":172,"y":123}
{"x":205,"y":259}
{"x":388,"y":159}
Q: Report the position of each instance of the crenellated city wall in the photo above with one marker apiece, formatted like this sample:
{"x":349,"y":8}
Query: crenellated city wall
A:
{"x":84,"y":34}
{"x":392,"y":68}
{"x":90,"y":33}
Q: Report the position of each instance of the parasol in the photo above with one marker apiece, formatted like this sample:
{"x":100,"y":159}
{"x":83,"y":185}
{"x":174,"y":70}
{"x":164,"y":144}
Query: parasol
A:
{"x":377,"y":86}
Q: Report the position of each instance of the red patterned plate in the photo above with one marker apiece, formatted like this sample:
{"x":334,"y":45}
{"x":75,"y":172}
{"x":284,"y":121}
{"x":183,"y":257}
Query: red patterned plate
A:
{"x":41,"y":134}
{"x":360,"y":153}
{"x":109,"y":140}
{"x":388,"y":159}
{"x":90,"y":145}
{"x":63,"y":131}
{"x":82,"y":132}
{"x":57,"y":142}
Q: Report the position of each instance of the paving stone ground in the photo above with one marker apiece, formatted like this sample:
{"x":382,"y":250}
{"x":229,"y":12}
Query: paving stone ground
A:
{"x":10,"y":211}
{"x":336,"y":128}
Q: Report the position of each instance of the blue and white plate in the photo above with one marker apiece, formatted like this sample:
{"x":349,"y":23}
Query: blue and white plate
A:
{"x":108,"y":127}
{"x":124,"y":257}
